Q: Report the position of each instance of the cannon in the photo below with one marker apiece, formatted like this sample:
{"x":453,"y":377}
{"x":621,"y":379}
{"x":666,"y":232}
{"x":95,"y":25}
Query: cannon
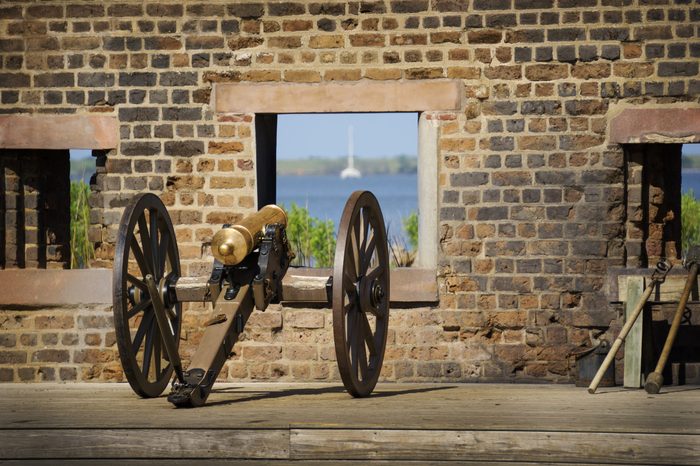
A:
{"x":250,"y":262}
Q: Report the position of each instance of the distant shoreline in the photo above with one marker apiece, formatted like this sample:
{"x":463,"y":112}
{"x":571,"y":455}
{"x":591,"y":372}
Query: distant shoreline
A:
{"x":404,"y":164}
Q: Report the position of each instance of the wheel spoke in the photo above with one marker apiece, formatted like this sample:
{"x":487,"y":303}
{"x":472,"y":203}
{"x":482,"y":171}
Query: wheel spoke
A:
{"x":365,"y":228}
{"x":352,"y":342}
{"x":348,"y":283}
{"x":153,"y":231}
{"x":138,"y":255}
{"x":163,"y":252}
{"x":156,"y":356}
{"x":141,"y":332}
{"x":369,"y":337}
{"x":362,"y":353}
{"x":146,"y":244}
{"x":355,"y":251}
{"x":368,"y":255}
{"x":375,"y":273}
{"x":138,"y":308}
{"x":148,"y":350}
{"x":136,"y":282}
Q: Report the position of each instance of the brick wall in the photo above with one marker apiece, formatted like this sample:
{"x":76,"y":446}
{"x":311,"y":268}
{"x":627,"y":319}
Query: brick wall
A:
{"x":535,"y":203}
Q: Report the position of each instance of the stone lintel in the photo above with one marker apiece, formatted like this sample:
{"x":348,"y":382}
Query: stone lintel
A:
{"x":58,"y":132}
{"x":656,"y":125}
{"x":361,"y":96}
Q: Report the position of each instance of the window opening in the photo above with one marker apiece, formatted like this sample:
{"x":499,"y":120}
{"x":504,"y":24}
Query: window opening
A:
{"x":322,"y":158}
{"x":34,"y":205}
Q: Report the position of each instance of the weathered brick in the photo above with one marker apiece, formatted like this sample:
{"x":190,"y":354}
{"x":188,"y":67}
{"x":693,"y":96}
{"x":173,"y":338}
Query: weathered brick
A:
{"x":286,"y":9}
{"x":492,"y":4}
{"x":140,"y":148}
{"x":546,"y":72}
{"x":96,"y":79}
{"x":183,"y":148}
{"x":10,"y":80}
{"x":128,"y":114}
{"x":162,"y":43}
{"x":13,"y":357}
{"x":165,"y":10}
{"x":181,"y":113}
{"x":204,"y":42}
{"x":424,"y":73}
{"x":533,"y":4}
{"x":453,"y":213}
{"x":123,"y":9}
{"x":678,"y":68}
{"x":139,"y":79}
{"x":51,"y":355}
{"x":302,"y":76}
{"x":289,"y":42}
{"x":85,"y":10}
{"x":246,"y":10}
{"x":54,"y":80}
{"x":586,"y":107}
{"x":591,"y":71}
{"x":566,"y":34}
{"x":468,"y":179}
{"x":484,"y":36}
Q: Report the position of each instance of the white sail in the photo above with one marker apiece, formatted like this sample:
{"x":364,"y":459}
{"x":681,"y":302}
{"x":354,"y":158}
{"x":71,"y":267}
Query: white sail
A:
{"x":350,"y":171}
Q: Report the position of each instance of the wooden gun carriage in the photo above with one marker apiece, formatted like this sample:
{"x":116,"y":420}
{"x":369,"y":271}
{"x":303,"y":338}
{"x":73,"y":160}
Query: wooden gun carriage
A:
{"x":251,"y":259}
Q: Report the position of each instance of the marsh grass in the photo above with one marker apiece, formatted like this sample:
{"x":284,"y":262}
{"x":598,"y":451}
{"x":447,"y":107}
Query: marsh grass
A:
{"x":81,"y":249}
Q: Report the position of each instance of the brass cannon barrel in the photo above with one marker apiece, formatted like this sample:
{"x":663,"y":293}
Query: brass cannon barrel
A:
{"x":232,"y":244}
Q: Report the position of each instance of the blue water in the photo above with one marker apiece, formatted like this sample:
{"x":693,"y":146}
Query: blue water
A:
{"x":325,"y":196}
{"x":690,"y":179}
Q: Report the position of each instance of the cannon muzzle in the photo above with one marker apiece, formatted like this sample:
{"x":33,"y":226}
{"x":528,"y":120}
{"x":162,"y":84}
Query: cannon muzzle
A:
{"x":232,"y":244}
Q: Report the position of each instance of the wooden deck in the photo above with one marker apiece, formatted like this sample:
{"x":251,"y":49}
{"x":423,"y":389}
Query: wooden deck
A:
{"x":320,"y":424}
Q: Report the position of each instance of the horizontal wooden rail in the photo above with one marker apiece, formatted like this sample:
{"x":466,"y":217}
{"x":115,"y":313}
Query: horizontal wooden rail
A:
{"x":46,"y":287}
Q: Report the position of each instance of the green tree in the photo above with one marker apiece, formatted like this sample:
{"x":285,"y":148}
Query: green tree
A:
{"x":410,"y":227}
{"x":690,"y":220}
{"x":299,"y":224}
{"x":323,"y":243}
{"x":81,"y":249}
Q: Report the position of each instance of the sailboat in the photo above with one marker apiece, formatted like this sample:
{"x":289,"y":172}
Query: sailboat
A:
{"x":350,"y":171}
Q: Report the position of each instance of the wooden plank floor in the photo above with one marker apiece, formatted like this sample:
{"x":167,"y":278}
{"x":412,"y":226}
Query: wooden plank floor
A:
{"x":320,"y":424}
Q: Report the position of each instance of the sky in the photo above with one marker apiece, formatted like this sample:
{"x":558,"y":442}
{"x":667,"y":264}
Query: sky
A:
{"x":326,"y":134}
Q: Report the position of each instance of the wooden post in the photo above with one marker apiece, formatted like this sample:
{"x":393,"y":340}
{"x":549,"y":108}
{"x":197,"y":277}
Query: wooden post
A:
{"x":633,"y":342}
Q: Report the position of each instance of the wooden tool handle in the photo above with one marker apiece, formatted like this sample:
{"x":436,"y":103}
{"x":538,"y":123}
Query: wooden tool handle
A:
{"x":659,"y":275}
{"x":620,"y":338}
{"x":231,"y":245}
{"x":692,"y":277}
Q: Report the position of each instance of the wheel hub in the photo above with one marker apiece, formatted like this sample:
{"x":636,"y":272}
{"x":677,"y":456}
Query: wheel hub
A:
{"x":371,"y":295}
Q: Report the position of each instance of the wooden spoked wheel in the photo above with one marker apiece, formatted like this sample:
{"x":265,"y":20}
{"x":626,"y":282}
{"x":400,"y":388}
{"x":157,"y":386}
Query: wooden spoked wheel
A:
{"x":361,"y":293}
{"x":145,"y":245}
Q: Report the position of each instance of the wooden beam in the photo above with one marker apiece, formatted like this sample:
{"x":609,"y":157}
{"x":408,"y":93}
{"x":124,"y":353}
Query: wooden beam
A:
{"x":48,"y":287}
{"x":59,"y":132}
{"x":408,"y":284}
{"x":487,"y":446}
{"x":360,"y":96}
{"x":669,"y":291}
{"x":633,"y":342}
